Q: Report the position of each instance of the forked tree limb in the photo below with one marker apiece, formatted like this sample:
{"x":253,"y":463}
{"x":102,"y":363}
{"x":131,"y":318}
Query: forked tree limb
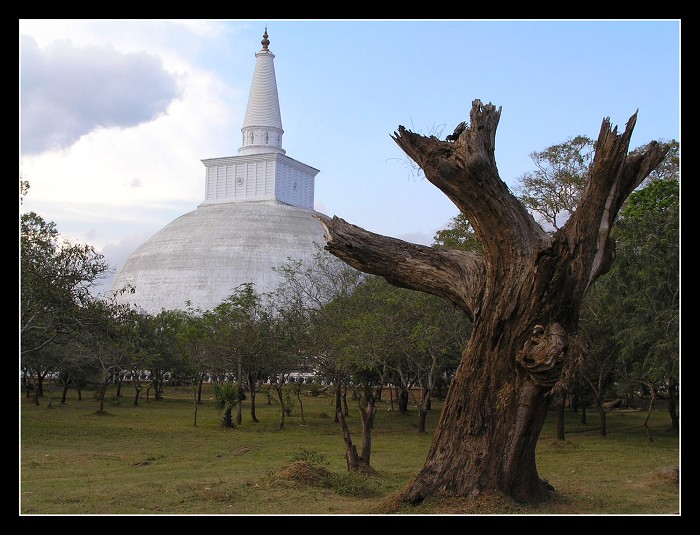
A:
{"x":465,"y":171}
{"x":613,"y":176}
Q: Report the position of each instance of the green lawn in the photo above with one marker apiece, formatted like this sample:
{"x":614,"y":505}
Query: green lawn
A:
{"x":151,"y":459}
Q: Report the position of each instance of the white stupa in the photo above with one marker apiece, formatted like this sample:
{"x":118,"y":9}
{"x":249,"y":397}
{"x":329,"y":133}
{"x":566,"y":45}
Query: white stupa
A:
{"x":257,"y":214}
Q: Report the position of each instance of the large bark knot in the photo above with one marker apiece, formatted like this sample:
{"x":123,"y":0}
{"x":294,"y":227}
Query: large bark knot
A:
{"x":543,"y":354}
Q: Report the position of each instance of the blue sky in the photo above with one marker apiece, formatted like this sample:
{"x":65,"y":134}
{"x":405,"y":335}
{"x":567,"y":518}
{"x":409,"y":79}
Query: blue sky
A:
{"x":116,"y":115}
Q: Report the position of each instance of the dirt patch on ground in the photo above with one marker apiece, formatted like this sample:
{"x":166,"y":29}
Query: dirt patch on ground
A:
{"x":306,"y":473}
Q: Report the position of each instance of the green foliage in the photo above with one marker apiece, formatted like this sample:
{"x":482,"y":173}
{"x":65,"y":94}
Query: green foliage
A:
{"x":56,"y":277}
{"x":310,"y":456}
{"x":554,"y":189}
{"x":314,"y":389}
{"x":632,"y":314}
{"x":356,"y":485}
{"x":458,"y":235}
{"x":289,"y":402}
{"x":227,"y":397}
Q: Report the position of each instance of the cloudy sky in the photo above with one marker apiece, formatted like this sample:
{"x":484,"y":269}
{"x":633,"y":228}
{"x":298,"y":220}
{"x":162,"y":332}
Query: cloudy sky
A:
{"x":116,"y":115}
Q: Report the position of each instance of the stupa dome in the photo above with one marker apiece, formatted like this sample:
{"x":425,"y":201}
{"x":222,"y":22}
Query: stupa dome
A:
{"x":202,"y":256}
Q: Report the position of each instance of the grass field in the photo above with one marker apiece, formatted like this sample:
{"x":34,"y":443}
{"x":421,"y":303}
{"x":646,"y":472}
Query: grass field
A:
{"x":150,"y":459}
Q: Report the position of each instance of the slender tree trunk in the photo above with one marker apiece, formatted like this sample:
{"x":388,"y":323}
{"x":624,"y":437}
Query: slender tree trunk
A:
{"x":39,"y":384}
{"x":338,"y":399}
{"x":200,"y":382}
{"x":368,"y":413}
{"x":103,"y":393}
{"x":602,"y":415}
{"x":251,"y":386}
{"x":403,"y":400}
{"x":239,"y":408}
{"x":560,"y":416}
{"x":195,"y":396}
{"x":137,"y":388}
{"x":422,"y":417}
{"x":346,"y":409}
{"x":301,"y":403}
{"x":50,"y":389}
{"x":64,"y":395}
{"x":280,"y":397}
{"x":675,"y":423}
{"x":35,"y":382}
{"x":646,"y":420}
{"x":423,"y":410}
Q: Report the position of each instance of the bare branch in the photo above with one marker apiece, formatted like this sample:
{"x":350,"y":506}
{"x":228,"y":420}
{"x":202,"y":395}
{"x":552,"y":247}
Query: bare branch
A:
{"x":458,"y":276}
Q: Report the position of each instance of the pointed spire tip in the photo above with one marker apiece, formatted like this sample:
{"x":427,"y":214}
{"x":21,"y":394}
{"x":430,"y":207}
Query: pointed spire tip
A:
{"x":265,"y":42}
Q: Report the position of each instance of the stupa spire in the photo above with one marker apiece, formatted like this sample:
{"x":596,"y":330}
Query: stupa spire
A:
{"x":262,"y":127}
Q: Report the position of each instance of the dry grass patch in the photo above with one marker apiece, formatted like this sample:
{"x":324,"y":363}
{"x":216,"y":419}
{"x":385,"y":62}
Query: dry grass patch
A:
{"x":306,"y":473}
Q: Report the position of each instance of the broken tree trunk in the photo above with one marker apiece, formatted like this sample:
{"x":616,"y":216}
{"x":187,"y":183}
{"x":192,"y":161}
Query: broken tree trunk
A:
{"x":523,"y":294}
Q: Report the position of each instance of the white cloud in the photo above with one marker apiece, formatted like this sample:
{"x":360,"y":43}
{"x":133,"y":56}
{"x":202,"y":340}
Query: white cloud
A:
{"x":141,"y":172}
{"x":68,"y":91}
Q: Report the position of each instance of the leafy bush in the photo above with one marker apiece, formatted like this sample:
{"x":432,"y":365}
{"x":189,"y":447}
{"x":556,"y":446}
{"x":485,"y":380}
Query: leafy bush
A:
{"x":288,"y":402}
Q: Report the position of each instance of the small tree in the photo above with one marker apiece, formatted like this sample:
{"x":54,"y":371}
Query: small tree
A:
{"x":227,"y":397}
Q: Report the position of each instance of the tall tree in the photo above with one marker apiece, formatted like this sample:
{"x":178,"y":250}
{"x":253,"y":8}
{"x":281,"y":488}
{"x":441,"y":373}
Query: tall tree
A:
{"x":636,"y":305}
{"x":554,"y":189}
{"x":195,"y":347}
{"x":55,"y":281}
{"x":523,"y":293}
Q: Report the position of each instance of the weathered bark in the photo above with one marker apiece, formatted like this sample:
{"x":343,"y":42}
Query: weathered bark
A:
{"x":523,"y":295}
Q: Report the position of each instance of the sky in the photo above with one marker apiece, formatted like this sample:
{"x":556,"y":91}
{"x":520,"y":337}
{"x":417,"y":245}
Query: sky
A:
{"x":115,"y":116}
